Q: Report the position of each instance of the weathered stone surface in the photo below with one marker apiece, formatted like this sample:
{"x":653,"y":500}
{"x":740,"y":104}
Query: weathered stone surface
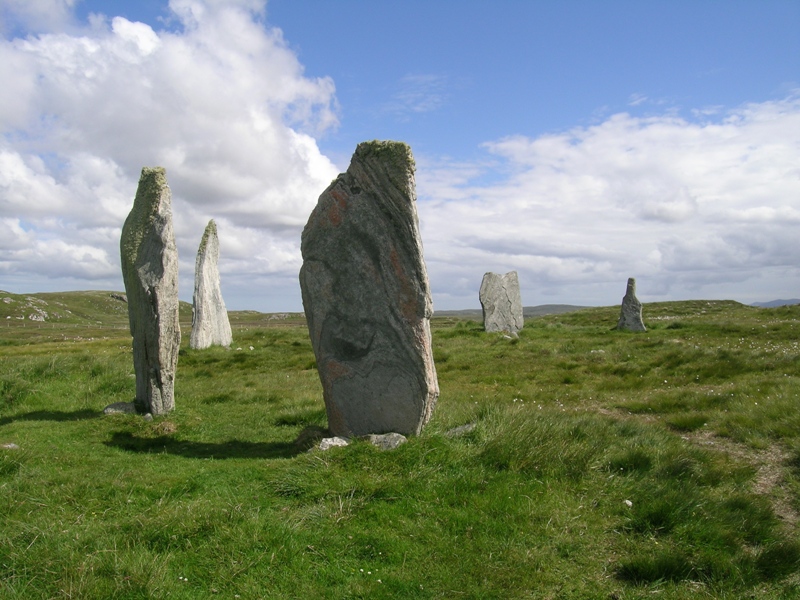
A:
{"x":501,"y":302}
{"x":367,"y":299}
{"x":387,"y":441}
{"x":210,"y":324}
{"x":150,"y":271}
{"x":630,"y":316}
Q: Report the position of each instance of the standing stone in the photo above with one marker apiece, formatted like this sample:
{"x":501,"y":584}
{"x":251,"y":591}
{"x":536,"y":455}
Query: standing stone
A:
{"x":210,"y":324}
{"x":150,"y":271}
{"x":630,"y":317}
{"x":501,"y":302}
{"x":367,"y":299}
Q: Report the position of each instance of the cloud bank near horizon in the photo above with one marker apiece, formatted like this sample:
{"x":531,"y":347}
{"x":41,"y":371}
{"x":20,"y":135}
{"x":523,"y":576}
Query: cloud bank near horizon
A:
{"x":702,"y":205}
{"x":708,"y":207}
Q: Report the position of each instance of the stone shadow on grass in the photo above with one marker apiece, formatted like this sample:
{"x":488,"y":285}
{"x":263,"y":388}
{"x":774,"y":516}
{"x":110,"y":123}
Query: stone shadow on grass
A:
{"x":165,"y":444}
{"x":53,"y":415}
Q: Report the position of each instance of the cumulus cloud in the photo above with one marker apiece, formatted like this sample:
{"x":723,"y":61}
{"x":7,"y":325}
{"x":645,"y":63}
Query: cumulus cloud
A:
{"x":687,"y":206}
{"x":218,"y":99}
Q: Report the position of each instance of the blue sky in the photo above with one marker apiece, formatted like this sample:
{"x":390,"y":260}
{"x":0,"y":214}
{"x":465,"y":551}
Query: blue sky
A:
{"x":577,"y":142}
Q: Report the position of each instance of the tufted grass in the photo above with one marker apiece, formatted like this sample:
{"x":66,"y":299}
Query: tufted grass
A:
{"x":603,"y":465}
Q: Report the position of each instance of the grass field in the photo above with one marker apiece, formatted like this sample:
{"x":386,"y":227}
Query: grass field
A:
{"x":603,"y":464}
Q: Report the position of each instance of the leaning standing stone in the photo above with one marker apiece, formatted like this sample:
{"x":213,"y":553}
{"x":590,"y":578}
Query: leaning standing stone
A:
{"x":367,"y":299}
{"x":150,"y":271}
{"x":630,"y":317}
{"x":501,"y":302}
{"x":210,"y":324}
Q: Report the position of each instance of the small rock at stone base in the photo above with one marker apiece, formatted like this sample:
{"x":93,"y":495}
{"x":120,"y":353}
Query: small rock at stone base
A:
{"x":328,"y":443}
{"x":120,"y":408}
{"x":387,"y":441}
{"x":147,"y":417}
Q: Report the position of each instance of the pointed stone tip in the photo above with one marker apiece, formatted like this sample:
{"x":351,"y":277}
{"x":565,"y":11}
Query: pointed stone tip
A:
{"x":398,"y":153}
{"x":153,"y":172}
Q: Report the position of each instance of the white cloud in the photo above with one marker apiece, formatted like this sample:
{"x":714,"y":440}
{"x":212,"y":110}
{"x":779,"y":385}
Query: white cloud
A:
{"x":220,"y":101}
{"x":687,"y":207}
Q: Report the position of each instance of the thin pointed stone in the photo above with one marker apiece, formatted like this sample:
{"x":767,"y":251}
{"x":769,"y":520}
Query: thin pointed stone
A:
{"x":150,"y":271}
{"x":210,"y":324}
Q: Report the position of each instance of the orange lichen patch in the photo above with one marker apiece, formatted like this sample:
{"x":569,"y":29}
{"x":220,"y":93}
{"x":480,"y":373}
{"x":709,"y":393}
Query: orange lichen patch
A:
{"x":408,"y":297}
{"x":336,"y":207}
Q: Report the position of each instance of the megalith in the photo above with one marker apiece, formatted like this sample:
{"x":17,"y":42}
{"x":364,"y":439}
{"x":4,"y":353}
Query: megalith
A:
{"x":367,"y":299}
{"x":210,"y":324}
{"x":630,"y":317}
{"x":150,"y":271}
{"x":501,"y":302}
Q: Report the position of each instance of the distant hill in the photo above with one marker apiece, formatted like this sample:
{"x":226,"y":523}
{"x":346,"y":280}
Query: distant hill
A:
{"x":527,"y":311}
{"x":774,"y":303}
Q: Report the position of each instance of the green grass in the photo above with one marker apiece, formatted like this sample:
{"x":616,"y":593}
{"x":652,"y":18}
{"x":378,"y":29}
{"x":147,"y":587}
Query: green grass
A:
{"x":603,"y":464}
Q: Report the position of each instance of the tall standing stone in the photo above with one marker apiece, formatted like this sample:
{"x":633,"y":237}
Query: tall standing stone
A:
{"x":150,"y":271}
{"x":210,"y":324}
{"x":367,"y":299}
{"x":501,"y":302}
{"x":630,"y":317}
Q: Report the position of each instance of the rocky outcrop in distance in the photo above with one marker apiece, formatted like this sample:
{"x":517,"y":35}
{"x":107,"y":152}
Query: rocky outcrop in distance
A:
{"x":630,"y":316}
{"x":150,"y":272}
{"x":210,"y":324}
{"x":501,"y":303}
{"x":367,"y":298}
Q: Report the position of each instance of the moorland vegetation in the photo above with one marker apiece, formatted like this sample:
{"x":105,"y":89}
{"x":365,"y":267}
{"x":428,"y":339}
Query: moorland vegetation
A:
{"x":603,"y":464}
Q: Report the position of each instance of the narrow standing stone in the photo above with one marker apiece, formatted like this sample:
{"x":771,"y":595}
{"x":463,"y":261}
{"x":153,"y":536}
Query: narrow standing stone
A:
{"x":210,"y":324}
{"x":630,"y":317}
{"x":501,"y":302}
{"x":150,"y":271}
{"x":367,"y":299}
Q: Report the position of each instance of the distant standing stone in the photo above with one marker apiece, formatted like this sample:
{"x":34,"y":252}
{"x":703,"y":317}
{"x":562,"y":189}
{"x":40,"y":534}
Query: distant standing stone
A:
{"x":630,"y":317}
{"x":367,"y":299}
{"x":210,"y":324}
{"x":150,"y":271}
{"x":501,"y":302}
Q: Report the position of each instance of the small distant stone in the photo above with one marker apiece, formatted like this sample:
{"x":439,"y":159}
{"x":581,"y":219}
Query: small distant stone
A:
{"x":387,"y":441}
{"x":331,"y":442}
{"x":501,"y":303}
{"x":120,"y":297}
{"x":630,"y":318}
{"x":9,"y":446}
{"x":120,"y":408}
{"x":460,"y":431}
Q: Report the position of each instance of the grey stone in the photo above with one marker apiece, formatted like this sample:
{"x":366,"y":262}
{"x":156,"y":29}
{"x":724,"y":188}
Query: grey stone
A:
{"x":150,"y":271}
{"x":210,"y":324}
{"x":387,"y":441}
{"x":630,"y":316}
{"x":501,"y":303}
{"x":147,"y":417}
{"x":332,"y":442}
{"x":367,"y":299}
{"x":9,"y":446}
{"x":120,"y":408}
